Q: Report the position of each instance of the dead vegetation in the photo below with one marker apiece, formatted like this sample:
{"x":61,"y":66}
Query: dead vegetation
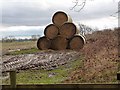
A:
{"x":101,"y":56}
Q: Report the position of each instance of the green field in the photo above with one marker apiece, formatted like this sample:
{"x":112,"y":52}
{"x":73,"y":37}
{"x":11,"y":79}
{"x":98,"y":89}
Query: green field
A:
{"x":46,"y":77}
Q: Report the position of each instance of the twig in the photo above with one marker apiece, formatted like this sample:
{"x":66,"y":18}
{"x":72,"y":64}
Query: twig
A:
{"x":76,"y":3}
{"x":82,"y":5}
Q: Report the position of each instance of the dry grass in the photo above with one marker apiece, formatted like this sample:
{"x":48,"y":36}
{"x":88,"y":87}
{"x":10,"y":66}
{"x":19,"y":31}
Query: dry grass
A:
{"x":14,"y":46}
{"x":100,"y":63}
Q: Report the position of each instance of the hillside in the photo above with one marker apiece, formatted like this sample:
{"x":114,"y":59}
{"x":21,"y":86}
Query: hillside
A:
{"x":100,"y":59}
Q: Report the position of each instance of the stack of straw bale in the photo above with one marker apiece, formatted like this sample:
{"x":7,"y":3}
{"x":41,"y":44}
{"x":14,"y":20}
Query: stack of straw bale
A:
{"x":61,"y":34}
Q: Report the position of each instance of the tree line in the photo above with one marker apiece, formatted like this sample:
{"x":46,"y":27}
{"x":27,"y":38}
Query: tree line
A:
{"x":12,"y":38}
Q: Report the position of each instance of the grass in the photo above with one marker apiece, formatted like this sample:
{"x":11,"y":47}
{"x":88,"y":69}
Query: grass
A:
{"x":43,"y":76}
{"x":24,"y":51}
{"x":6,"y":46}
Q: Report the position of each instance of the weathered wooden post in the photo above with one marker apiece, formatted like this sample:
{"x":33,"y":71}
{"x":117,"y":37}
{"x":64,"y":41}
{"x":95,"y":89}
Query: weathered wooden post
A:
{"x":118,"y":78}
{"x":13,"y":79}
{"x":118,"y":75}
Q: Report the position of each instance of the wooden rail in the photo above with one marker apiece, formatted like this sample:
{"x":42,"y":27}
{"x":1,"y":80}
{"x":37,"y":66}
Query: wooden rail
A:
{"x":13,"y":84}
{"x":75,"y":86}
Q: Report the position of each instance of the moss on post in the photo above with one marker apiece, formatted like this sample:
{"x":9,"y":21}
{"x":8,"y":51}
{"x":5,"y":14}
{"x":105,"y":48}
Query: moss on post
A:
{"x":13,"y":79}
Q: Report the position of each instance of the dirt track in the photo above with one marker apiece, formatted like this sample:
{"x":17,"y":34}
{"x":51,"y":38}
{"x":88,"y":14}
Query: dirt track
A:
{"x":46,"y":60}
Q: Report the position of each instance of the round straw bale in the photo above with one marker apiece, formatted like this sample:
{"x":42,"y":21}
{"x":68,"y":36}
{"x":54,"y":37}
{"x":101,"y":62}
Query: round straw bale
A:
{"x":51,"y":31}
{"x":43,"y":43}
{"x":59,"y":43}
{"x":68,"y":30}
{"x":60,"y":17}
{"x":77,"y":42}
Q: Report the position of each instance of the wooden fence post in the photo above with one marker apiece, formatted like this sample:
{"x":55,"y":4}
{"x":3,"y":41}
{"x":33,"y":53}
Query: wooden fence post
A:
{"x":13,"y":79}
{"x":118,"y":78}
{"x":118,"y":75}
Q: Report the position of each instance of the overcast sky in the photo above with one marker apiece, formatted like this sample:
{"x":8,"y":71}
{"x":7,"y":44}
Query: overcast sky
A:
{"x":27,"y":17}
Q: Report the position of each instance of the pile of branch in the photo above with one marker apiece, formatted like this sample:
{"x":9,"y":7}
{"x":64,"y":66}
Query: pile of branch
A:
{"x":61,"y":34}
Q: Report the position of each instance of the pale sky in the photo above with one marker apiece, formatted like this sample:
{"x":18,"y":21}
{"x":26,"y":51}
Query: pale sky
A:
{"x":27,"y":17}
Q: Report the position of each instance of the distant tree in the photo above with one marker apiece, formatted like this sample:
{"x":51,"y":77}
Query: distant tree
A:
{"x":8,"y":39}
{"x":4,"y":39}
{"x":11,"y":38}
{"x":35,"y":37}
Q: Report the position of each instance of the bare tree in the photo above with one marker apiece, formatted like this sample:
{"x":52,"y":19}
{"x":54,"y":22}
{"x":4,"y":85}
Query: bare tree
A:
{"x":85,"y":29}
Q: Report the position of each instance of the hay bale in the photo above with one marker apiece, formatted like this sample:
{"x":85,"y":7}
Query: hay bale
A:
{"x":60,"y":17}
{"x":59,"y":43}
{"x":68,"y":30}
{"x":51,"y":31}
{"x":43,"y":43}
{"x":77,"y":42}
